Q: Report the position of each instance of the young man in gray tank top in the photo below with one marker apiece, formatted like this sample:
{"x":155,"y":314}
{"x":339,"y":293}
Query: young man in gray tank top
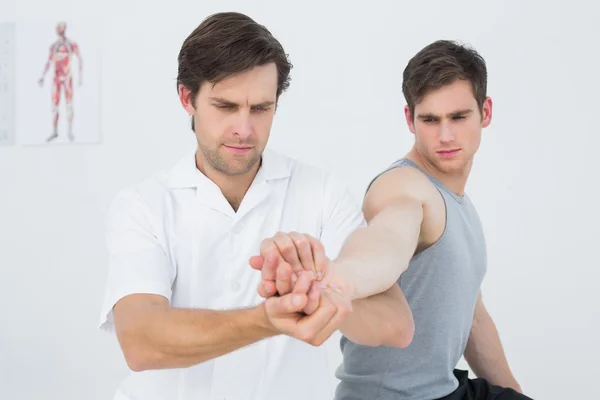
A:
{"x":447,"y":107}
{"x":434,"y":231}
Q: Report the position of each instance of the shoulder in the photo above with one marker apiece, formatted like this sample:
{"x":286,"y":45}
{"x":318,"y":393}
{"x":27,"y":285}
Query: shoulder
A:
{"x":310,"y":176}
{"x":325,"y":187}
{"x":400,"y":181}
{"x":140,"y":202}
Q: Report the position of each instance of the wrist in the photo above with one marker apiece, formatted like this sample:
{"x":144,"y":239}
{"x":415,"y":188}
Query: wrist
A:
{"x":263,"y":322}
{"x":336,"y":278}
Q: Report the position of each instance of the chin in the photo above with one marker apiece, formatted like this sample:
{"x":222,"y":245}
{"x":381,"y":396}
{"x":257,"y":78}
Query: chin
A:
{"x":240,"y":165}
{"x":452,"y":165}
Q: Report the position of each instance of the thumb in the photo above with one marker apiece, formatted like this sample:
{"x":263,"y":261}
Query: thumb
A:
{"x":288,"y":304}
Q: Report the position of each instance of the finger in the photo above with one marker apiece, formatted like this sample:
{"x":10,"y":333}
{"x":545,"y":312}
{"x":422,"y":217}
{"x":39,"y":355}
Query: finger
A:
{"x":304,"y":250}
{"x":283,"y":282}
{"x":269,"y":268}
{"x":288,"y":304}
{"x":257,"y":262}
{"x":308,"y":328}
{"x":267,"y":289}
{"x":303,"y":283}
{"x":314,"y":296}
{"x":270,"y":254}
{"x":288,"y":251}
{"x":320,"y":258}
{"x":343,"y":307}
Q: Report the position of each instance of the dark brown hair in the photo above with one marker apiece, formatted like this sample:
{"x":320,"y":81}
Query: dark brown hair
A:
{"x":225,"y":44}
{"x":441,"y":63}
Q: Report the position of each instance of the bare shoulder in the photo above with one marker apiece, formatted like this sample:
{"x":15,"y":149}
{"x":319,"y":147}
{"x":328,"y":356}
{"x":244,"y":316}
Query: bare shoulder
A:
{"x":409,"y":184}
{"x":403,"y":182}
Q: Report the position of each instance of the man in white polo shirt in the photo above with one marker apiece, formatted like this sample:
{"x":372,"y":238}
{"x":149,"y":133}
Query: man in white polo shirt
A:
{"x":180,"y":295}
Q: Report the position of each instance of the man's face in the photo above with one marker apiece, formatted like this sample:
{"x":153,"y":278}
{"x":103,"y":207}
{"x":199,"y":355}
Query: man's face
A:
{"x":233,"y":119}
{"x":447,"y":126}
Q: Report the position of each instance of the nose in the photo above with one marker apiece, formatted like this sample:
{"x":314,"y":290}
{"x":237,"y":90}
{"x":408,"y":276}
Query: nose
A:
{"x":446,"y":134}
{"x":243,"y":126}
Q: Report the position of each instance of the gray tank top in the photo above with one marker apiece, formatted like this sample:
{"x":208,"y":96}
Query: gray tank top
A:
{"x":441,"y":285}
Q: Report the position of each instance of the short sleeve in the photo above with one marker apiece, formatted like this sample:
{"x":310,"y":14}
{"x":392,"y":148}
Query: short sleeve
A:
{"x":342,"y":216}
{"x":137,"y":263}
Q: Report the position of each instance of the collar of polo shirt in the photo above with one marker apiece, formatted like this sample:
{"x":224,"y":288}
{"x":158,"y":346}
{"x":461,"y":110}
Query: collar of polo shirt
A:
{"x":186,"y":174}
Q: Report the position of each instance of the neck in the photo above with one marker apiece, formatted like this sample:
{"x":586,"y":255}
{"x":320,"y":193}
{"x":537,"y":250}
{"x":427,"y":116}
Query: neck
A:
{"x":233,"y":187}
{"x":455,"y":181}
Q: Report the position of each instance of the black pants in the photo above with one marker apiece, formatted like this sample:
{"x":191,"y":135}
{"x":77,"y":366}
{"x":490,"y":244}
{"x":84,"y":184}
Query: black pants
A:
{"x":480,"y":389}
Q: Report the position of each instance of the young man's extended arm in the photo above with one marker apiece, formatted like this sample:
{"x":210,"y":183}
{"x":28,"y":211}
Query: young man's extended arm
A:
{"x":484,"y":352}
{"x":373,"y":257}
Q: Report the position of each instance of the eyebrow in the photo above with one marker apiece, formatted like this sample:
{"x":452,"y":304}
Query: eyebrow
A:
{"x":456,"y":113}
{"x":232,"y":104}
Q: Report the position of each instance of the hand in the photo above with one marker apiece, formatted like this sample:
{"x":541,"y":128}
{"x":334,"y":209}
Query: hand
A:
{"x":285,"y":255}
{"x":285,"y":316}
{"x":278,"y":278}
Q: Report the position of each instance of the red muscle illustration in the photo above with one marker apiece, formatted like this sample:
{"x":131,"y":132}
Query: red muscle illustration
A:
{"x":61,"y":55}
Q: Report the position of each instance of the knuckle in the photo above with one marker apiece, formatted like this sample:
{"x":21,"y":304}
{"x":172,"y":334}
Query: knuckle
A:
{"x":305,"y":335}
{"x":316,"y":243}
{"x":287,"y":248}
{"x":301,"y":241}
{"x":266,"y":244}
{"x":330,"y":308}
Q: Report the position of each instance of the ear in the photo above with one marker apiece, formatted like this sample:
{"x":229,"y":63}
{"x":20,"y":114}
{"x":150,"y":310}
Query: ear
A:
{"x":185,"y":96}
{"x":409,"y":119}
{"x":486,"y":113}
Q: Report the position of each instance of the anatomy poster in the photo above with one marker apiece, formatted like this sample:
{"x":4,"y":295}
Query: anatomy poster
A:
{"x":58,"y":82}
{"x":7,"y":83}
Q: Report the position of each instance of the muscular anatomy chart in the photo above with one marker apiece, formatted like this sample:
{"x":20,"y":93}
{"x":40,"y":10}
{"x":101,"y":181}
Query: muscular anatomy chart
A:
{"x":58,"y":84}
{"x":62,"y":52}
{"x":7,"y":84}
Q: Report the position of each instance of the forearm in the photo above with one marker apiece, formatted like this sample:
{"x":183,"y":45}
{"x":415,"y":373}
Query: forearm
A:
{"x":485,"y":355}
{"x":373,"y":258}
{"x":381,"y":320}
{"x":163,"y":337}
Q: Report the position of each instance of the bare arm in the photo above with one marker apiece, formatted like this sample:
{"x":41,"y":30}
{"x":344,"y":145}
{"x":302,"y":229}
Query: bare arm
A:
{"x":154,"y":335}
{"x":373,"y":258}
{"x":381,"y":320}
{"x":484,"y":352}
{"x":370,"y":261}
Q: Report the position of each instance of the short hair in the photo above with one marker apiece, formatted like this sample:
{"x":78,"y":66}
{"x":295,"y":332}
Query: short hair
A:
{"x":439,"y":64}
{"x":225,"y":44}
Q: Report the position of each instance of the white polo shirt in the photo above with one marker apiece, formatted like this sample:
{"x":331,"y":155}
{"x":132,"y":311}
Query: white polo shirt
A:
{"x":177,"y":236}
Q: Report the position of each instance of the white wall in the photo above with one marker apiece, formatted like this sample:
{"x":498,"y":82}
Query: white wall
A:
{"x":532,"y":182}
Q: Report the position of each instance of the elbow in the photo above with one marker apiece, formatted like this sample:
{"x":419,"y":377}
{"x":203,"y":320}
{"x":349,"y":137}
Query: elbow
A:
{"x":137,"y":356}
{"x":137,"y":359}
{"x":400,"y":334}
{"x":397,"y":334}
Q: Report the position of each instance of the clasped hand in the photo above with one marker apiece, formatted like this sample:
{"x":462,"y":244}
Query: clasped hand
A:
{"x":305,"y":298}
